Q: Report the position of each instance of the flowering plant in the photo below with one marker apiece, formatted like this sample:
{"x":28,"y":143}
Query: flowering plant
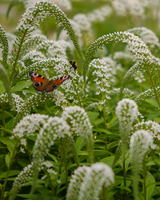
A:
{"x":96,"y":136}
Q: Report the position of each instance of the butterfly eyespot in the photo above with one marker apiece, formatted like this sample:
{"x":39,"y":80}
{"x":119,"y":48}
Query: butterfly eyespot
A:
{"x":36,"y":84}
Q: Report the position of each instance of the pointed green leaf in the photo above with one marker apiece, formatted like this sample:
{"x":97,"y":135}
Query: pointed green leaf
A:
{"x":150,"y":185}
{"x":11,"y":173}
{"x":20,"y":85}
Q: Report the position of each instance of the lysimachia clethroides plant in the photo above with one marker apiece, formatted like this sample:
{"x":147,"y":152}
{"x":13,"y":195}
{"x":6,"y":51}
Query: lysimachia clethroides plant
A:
{"x":72,"y":143}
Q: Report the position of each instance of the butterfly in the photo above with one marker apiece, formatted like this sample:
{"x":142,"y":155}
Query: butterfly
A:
{"x":74,"y":64}
{"x":43,"y":84}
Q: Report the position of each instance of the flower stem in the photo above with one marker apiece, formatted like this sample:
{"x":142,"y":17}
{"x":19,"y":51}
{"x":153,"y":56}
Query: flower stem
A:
{"x":124,"y":174}
{"x":64,"y":157}
{"x":11,"y":161}
{"x":144,"y":180}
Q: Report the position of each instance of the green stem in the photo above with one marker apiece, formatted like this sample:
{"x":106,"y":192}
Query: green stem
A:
{"x":74,"y":150}
{"x":103,"y":192}
{"x":52,"y":186}
{"x":18,"y":53}
{"x":144,"y":180}
{"x":6,"y":179}
{"x":104,"y":112}
{"x":64,"y":157}
{"x":124,"y":175}
{"x":3,"y":118}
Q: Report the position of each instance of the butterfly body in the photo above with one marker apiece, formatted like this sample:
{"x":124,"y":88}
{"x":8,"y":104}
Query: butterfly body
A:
{"x":40,"y":83}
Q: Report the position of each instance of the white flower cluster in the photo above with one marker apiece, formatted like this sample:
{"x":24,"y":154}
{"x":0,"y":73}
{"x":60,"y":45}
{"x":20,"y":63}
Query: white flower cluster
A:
{"x":127,"y":111}
{"x":139,"y":76}
{"x":76,"y":181}
{"x":28,"y":125}
{"x":126,"y":92}
{"x":99,"y":14}
{"x":78,"y":120}
{"x":147,"y":35}
{"x":34,"y":56}
{"x":148,"y":93}
{"x":73,"y":87}
{"x":135,"y":45}
{"x":26,"y":174}
{"x":34,"y":100}
{"x":151,"y":127}
{"x":81,"y":25}
{"x":123,"y":7}
{"x":105,"y":76}
{"x":140,"y":142}
{"x":20,"y":179}
{"x":52,"y":49}
{"x":87,"y":182}
{"x":54,"y":128}
{"x":63,"y":4}
{"x":17,"y":100}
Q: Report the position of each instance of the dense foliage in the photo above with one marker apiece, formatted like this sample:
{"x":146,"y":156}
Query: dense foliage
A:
{"x":96,"y":136}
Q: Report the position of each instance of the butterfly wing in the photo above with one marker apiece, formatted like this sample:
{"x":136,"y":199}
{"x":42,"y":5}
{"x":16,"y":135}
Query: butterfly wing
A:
{"x":40,"y":81}
{"x":52,"y":85}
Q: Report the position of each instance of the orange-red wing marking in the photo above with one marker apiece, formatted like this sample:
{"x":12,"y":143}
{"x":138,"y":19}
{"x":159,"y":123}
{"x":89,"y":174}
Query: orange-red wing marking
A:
{"x":61,"y":79}
{"x":37,"y":77}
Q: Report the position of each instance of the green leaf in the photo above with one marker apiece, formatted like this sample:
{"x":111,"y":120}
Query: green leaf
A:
{"x":7,"y":159}
{"x":6,"y":82}
{"x":150,"y":185}
{"x":92,"y":115}
{"x":7,"y":141}
{"x":53,"y":157}
{"x":10,"y":143}
{"x":113,"y":122}
{"x":108,"y":160}
{"x":6,"y":113}
{"x":99,"y":121}
{"x":11,"y":173}
{"x":12,"y":3}
{"x":79,"y":144}
{"x":43,"y":190}
{"x":2,"y":88}
{"x":23,"y":162}
{"x":152,"y":102}
{"x":20,"y":85}
{"x":103,"y":130}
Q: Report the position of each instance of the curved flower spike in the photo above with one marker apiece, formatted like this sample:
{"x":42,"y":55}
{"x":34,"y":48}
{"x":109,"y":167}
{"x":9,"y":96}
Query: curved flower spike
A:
{"x":76,"y":181}
{"x":127,"y":111}
{"x":54,"y":128}
{"x":87,"y":182}
{"x":28,"y":125}
{"x":140,"y":142}
{"x":80,"y":125}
